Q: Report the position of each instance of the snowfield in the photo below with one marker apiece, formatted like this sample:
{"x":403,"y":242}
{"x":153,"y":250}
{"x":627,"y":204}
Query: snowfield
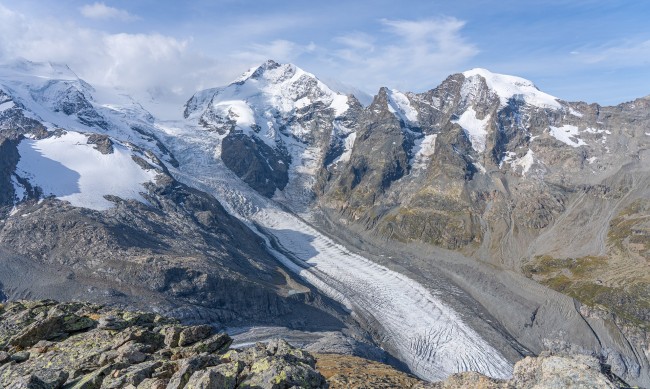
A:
{"x":415,"y":325}
{"x":422,"y":151}
{"x":567,"y":134}
{"x":72,"y":170}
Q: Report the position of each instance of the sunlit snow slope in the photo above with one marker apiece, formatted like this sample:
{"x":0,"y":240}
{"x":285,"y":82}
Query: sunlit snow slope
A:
{"x":73,"y":170}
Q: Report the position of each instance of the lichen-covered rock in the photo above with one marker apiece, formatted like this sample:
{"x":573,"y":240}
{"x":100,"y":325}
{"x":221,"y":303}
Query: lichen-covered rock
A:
{"x":279,"y":365}
{"x":4,"y":357}
{"x":185,"y":369}
{"x":20,"y":356}
{"x":172,"y":335}
{"x":213,"y":344}
{"x":92,"y":380}
{"x":193,"y":334}
{"x":218,"y":377}
{"x":28,"y":382}
{"x":560,"y":371}
{"x":82,"y":346}
{"x":131,"y":375}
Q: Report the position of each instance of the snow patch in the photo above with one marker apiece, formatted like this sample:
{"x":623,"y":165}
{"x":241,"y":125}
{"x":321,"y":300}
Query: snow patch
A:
{"x":239,"y":110}
{"x":480,"y":167}
{"x":6,"y":105}
{"x":339,"y":104}
{"x":592,"y":160}
{"x":508,"y":87}
{"x":422,"y":151}
{"x":474,"y":128}
{"x":400,"y":106}
{"x":592,"y":130}
{"x":575,"y":113}
{"x":348,"y":145}
{"x":72,"y":170}
{"x":526,"y":162}
{"x":567,"y":134}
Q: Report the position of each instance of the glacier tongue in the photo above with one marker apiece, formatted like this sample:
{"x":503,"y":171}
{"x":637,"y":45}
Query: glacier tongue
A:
{"x":426,"y":334}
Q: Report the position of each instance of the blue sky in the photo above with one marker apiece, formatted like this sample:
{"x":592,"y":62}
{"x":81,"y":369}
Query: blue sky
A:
{"x":595,"y":51}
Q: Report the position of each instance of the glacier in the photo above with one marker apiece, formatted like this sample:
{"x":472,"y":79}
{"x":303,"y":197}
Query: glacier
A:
{"x":417,"y":326}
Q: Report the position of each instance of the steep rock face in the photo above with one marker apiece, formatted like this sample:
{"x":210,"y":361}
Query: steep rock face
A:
{"x":262,"y":167}
{"x":8,"y":160}
{"x":378,"y":159}
{"x":451,"y":135}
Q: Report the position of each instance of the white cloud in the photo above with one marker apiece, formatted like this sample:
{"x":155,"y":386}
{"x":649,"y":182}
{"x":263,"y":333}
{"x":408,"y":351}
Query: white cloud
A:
{"x":101,"y":11}
{"x":412,"y":55}
{"x":142,"y":64}
{"x":406,"y":54}
{"x":279,"y":50}
{"x":357,"y":40}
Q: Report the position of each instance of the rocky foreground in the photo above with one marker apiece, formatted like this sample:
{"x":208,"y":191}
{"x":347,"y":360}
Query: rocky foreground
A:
{"x":46,"y":344}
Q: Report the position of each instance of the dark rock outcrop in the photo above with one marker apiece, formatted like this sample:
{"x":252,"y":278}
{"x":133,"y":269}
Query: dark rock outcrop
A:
{"x":262,"y":167}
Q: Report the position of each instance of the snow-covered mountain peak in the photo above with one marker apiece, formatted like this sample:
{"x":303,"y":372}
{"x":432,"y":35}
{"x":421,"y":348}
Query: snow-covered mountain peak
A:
{"x":509,"y":87}
{"x":288,"y":87}
{"x":271,"y":87}
{"x":42,"y":80}
{"x":18,"y":69}
{"x":270,"y":72}
{"x":53,"y":93}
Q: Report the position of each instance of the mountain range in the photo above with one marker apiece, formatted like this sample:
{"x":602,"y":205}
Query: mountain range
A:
{"x":458,"y":229}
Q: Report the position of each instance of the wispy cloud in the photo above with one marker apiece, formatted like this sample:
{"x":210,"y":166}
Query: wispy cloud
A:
{"x":101,"y":11}
{"x":407,"y":54}
{"x":280,"y":50}
{"x":624,"y":54}
{"x":135,"y":62}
